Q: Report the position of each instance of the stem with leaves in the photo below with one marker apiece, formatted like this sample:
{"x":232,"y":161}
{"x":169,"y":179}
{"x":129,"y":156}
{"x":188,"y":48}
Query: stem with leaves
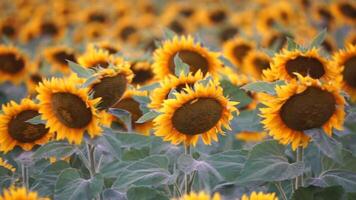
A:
{"x":187,"y":176}
{"x":91,"y":159}
{"x":25,"y":178}
{"x":299,"y":179}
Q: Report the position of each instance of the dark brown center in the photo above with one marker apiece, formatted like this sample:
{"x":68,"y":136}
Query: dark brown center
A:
{"x":348,"y":10}
{"x":191,"y":58}
{"x":62,"y":57}
{"x":325,"y":14}
{"x":349,"y":72}
{"x":142,"y":75}
{"x":49,"y":29}
{"x":309,"y":109}
{"x":111,"y":50}
{"x":327,"y":46}
{"x":187,"y":12}
{"x":110,"y":89}
{"x":23,"y":131}
{"x":132,"y":106}
{"x":305,"y":66}
{"x":218,"y":16}
{"x":197,"y":116}
{"x":127,"y":32}
{"x":10,"y":63}
{"x":36,"y":78}
{"x":261,"y":64}
{"x":97,"y":17}
{"x":240,"y":51}
{"x":71,"y":110}
{"x":177,"y":27}
{"x":280,"y":39}
{"x":102,"y":64}
{"x":228,"y":33}
{"x":8,"y":30}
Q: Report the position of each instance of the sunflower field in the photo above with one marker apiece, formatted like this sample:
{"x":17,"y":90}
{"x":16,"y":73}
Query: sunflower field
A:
{"x":178,"y":100}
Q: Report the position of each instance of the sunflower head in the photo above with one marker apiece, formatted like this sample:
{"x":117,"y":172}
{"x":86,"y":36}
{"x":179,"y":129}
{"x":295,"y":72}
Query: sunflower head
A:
{"x":13,"y":64}
{"x":161,"y":93}
{"x":260,"y":196}
{"x":199,"y":196}
{"x":198,"y":111}
{"x":190,"y":52}
{"x":143,"y":73}
{"x":345,"y":10}
{"x":16,"y":131}
{"x":96,"y":57}
{"x":345,"y":60}
{"x":255,"y":62}
{"x":111,"y":48}
{"x":68,"y":109}
{"x":127,"y":30}
{"x":302,"y":105}
{"x":111,"y":84}
{"x":32,"y":81}
{"x":237,"y":49}
{"x":20,"y":193}
{"x":58,"y":56}
{"x":287,"y":63}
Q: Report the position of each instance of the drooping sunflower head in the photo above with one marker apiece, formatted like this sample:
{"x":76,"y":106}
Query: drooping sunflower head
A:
{"x":190,"y":52}
{"x":22,"y":193}
{"x":58,"y":56}
{"x":260,"y":196}
{"x":13,"y":64}
{"x":161,"y":93}
{"x":143,"y":73}
{"x":68,"y":109}
{"x":111,"y":85}
{"x":199,"y":111}
{"x":4,"y":164}
{"x":285,"y":64}
{"x":130,"y":104}
{"x":237,"y":49}
{"x":199,"y":196}
{"x":96,"y":57}
{"x":15,"y":131}
{"x":255,"y":62}
{"x":345,"y":60}
{"x":345,"y":10}
{"x":302,"y":105}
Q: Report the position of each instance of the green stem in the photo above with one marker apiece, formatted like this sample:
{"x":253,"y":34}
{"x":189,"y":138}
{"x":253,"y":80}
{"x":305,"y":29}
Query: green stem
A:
{"x":25,"y":179}
{"x":91,"y":158}
{"x":281,"y":190}
{"x":299,"y":179}
{"x":187,"y":176}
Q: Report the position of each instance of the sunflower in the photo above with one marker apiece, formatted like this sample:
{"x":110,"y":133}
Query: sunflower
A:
{"x":199,"y":196}
{"x":275,"y":39}
{"x":127,"y":30}
{"x":345,"y":10}
{"x":95,"y":57}
{"x":228,"y":32}
{"x":106,"y":45}
{"x":95,"y":14}
{"x":201,"y":111}
{"x":14,"y":129}
{"x":237,"y":49}
{"x":131,"y":105}
{"x":68,"y":110}
{"x":22,"y":193}
{"x":13,"y":64}
{"x":90,"y":32}
{"x":143,"y":73}
{"x":345,"y":60}
{"x":191,"y":53}
{"x":215,"y":15}
{"x":302,"y":105}
{"x":267,"y":18}
{"x":329,"y":45}
{"x":285,"y":64}
{"x":323,"y":14}
{"x":260,"y":196}
{"x":58,"y":56}
{"x":161,"y":93}
{"x":32,"y":81}
{"x":9,"y":28}
{"x":255,"y":62}
{"x":4,"y":164}
{"x":248,"y":136}
{"x":111,"y":85}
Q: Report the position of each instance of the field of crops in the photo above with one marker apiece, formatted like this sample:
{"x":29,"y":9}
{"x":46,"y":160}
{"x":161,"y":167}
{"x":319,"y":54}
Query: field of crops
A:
{"x":178,"y":100}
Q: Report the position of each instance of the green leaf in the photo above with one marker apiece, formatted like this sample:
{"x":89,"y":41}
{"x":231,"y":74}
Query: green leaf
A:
{"x":226,"y":61}
{"x":147,"y":193}
{"x":186,"y":163}
{"x":327,"y":145}
{"x":79,"y":70}
{"x":147,"y":117}
{"x":111,"y":194}
{"x":111,"y":143}
{"x":36,"y":120}
{"x":168,"y":34}
{"x":180,"y":66}
{"x":344,"y":178}
{"x":348,"y":164}
{"x":318,"y":39}
{"x":142,"y":99}
{"x":318,"y":193}
{"x":267,"y":162}
{"x":135,"y":154}
{"x":58,"y":149}
{"x":235,"y":93}
{"x":152,"y":170}
{"x":133,"y":140}
{"x":149,"y":87}
{"x":89,"y":81}
{"x":248,"y":120}
{"x":291,"y":44}
{"x":123,"y":115}
{"x":71,"y":186}
{"x":265,"y":87}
